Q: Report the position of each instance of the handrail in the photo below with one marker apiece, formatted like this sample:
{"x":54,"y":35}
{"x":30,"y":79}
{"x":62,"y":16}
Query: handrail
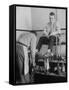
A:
{"x":34,"y":30}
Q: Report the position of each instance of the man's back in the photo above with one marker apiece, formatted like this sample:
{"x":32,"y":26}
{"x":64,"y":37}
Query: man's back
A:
{"x":26,"y":38}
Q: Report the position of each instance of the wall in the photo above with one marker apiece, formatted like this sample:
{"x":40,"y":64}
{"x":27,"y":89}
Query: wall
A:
{"x":61,"y":17}
{"x":23,"y":18}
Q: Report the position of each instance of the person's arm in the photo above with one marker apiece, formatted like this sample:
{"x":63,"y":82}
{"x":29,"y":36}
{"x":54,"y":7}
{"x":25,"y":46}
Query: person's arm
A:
{"x":33,"y":48}
{"x":45,"y":31}
{"x":57,"y":31}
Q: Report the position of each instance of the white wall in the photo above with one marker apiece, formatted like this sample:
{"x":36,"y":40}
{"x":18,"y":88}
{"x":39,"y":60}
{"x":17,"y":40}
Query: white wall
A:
{"x":61,"y":17}
{"x":23,"y":18}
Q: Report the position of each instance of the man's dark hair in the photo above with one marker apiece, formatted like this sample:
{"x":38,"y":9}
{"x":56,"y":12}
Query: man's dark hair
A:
{"x":52,"y":13}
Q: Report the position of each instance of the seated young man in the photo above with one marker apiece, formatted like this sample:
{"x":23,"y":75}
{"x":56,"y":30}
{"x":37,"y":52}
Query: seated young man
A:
{"x":50,"y":31}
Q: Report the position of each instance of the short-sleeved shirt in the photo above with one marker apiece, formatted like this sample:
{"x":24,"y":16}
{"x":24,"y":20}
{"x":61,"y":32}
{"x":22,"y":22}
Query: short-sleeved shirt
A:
{"x":49,"y":28}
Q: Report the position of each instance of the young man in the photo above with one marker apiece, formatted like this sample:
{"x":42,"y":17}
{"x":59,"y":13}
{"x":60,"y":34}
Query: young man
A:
{"x":50,"y":31}
{"x":27,"y":40}
{"x":49,"y":37}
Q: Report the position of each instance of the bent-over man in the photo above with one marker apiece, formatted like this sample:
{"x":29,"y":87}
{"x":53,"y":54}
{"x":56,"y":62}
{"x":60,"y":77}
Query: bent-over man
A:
{"x":28,"y":40}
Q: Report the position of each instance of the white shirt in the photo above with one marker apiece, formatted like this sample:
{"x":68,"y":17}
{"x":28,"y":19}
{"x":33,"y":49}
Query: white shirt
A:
{"x":52,"y":28}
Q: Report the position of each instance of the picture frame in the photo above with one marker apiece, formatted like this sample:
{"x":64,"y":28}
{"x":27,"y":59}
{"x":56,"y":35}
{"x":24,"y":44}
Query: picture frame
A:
{"x":32,"y":19}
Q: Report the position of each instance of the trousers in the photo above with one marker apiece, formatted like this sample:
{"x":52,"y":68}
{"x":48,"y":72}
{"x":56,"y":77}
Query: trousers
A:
{"x":46,"y":41}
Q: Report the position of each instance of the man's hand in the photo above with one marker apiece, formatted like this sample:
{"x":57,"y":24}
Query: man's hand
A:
{"x":55,"y":33}
{"x":45,"y":33}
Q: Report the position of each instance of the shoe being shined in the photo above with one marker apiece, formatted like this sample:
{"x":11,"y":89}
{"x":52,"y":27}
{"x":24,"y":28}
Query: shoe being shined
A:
{"x":49,"y":53}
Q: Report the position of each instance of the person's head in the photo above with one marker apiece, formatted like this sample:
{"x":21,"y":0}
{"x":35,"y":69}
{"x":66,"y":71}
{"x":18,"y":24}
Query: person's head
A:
{"x":52,"y":17}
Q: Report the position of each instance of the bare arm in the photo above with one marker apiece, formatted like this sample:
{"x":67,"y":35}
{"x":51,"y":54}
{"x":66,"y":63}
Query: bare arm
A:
{"x":57,"y":31}
{"x":33,"y":49}
{"x":45,"y":31}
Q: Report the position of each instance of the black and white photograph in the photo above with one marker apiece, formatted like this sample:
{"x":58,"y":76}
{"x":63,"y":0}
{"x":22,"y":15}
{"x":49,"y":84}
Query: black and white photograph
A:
{"x":39,"y":40}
